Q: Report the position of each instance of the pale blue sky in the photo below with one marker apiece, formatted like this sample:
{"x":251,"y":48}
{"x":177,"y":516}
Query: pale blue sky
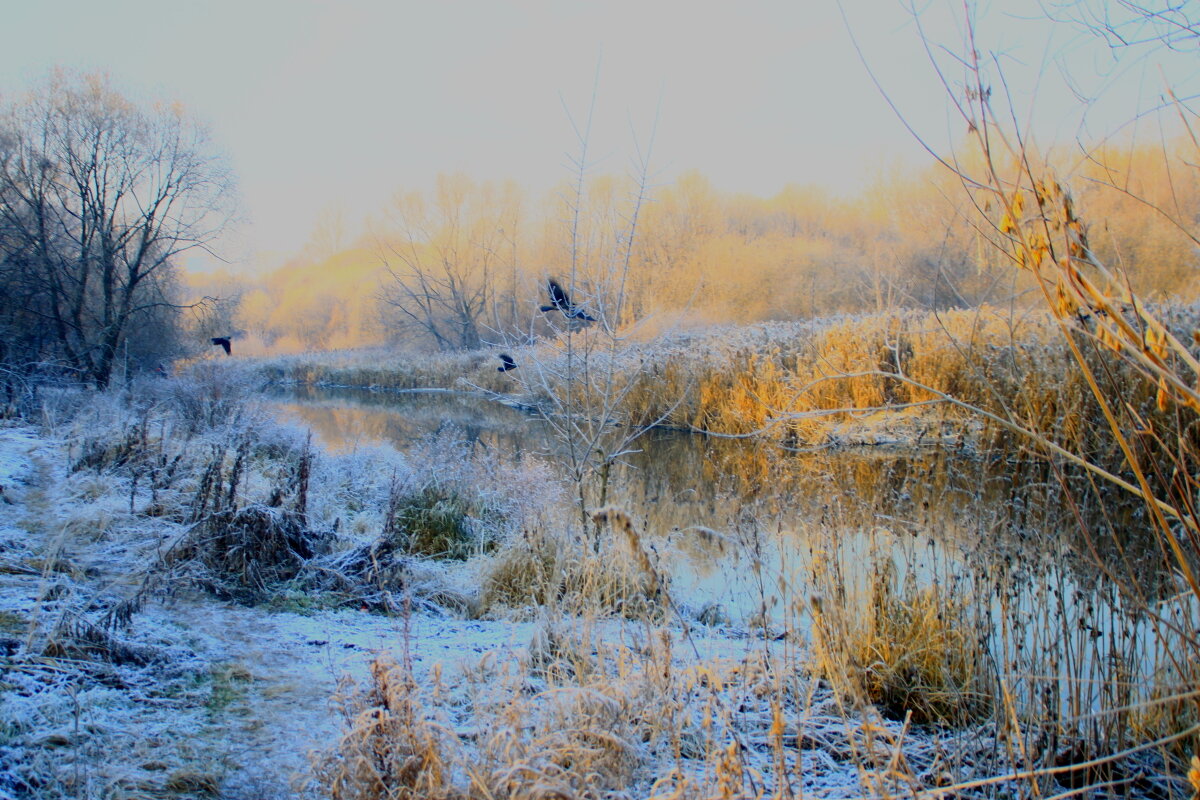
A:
{"x":337,"y":105}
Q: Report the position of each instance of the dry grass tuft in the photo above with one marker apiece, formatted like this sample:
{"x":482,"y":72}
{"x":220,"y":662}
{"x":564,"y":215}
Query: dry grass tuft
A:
{"x":244,"y":553}
{"x":541,"y":568}
{"x":190,"y":782}
{"x":75,"y":638}
{"x":390,"y":748}
{"x":1169,"y":710}
{"x":914,"y":652}
{"x":572,"y":716}
{"x":233,"y":548}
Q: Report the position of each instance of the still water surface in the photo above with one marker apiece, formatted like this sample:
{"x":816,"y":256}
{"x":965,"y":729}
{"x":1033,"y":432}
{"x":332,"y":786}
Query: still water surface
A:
{"x":928,"y":508}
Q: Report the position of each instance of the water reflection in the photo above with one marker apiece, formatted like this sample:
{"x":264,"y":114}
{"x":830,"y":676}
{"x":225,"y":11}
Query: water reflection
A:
{"x":343,"y":419}
{"x":936,"y":503}
{"x":746,"y":528}
{"x":674,"y":480}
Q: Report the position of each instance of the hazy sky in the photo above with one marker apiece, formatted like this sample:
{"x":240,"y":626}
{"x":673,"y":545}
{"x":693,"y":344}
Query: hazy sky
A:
{"x":335,"y":105}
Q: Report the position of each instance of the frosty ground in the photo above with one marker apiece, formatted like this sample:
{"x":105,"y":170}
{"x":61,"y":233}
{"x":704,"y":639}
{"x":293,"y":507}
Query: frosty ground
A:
{"x":197,"y":602}
{"x":202,"y":696}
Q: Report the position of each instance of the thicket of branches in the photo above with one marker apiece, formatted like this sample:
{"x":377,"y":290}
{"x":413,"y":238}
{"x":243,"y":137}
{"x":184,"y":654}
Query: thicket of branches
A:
{"x":99,"y":196}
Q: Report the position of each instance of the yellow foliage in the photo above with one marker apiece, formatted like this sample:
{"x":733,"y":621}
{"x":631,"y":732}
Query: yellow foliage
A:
{"x":700,"y":253}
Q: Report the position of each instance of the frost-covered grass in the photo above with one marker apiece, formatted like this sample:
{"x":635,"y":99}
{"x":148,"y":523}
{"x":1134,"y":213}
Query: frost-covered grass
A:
{"x":184,"y":584}
{"x":123,"y":502}
{"x":594,"y":710}
{"x":137,"y":513}
{"x":389,"y":370}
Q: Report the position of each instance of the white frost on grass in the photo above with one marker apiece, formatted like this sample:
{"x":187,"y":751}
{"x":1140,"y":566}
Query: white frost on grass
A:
{"x":17,"y":470}
{"x":16,"y":447}
{"x":233,"y":699}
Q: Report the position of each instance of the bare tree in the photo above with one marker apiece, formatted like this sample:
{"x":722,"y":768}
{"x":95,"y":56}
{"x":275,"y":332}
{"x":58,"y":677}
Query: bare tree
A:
{"x":580,"y":369}
{"x":99,"y":196}
{"x":447,"y":259}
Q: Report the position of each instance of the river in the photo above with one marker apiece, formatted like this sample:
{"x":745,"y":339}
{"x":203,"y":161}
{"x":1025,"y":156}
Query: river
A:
{"x":930,"y":508}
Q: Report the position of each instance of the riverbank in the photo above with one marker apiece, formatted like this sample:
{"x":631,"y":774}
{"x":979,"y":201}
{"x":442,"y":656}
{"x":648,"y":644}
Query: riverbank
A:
{"x":987,"y":378}
{"x":199,"y":696}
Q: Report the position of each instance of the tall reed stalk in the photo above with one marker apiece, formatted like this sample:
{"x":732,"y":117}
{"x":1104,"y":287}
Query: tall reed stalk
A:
{"x":1122,"y":351}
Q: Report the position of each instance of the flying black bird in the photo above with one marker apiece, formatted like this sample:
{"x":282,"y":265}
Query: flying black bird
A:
{"x":506,"y":363}
{"x":560,"y":302}
{"x":224,"y":342}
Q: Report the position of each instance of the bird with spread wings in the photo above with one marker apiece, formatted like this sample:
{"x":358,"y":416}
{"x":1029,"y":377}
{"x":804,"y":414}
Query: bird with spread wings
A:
{"x":559,"y":301}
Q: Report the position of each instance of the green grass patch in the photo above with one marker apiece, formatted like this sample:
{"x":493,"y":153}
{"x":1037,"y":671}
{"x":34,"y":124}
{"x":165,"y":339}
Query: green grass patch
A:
{"x":434,"y":522}
{"x":228,"y":684}
{"x":305,"y":603}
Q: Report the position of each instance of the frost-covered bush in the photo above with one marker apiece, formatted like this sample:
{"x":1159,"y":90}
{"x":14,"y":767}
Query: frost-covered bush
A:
{"x":209,"y":396}
{"x":397,"y":514}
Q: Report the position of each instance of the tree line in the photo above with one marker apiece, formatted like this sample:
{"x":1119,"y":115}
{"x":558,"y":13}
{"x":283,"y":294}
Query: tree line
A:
{"x":466,"y":263}
{"x":101,"y":195}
